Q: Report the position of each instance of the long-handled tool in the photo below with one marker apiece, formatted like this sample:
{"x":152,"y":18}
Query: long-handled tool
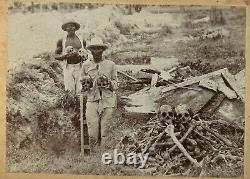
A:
{"x":81,"y":123}
{"x":85,"y":148}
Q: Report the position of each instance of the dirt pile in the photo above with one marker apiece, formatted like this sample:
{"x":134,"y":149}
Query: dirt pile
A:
{"x":40,"y":116}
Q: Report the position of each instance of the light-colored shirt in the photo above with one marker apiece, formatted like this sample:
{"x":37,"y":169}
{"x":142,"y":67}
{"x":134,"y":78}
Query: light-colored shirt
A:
{"x":104,"y":96}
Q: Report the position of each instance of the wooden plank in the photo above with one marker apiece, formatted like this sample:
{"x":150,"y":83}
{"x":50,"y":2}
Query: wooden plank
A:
{"x":130,"y":77}
{"x":194,"y":80}
{"x":154,"y":79}
{"x":228,"y":78}
{"x":195,"y":89}
{"x":212,"y":105}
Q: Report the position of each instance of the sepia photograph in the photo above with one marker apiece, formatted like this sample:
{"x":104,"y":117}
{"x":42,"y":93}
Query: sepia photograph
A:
{"x":125,"y":89}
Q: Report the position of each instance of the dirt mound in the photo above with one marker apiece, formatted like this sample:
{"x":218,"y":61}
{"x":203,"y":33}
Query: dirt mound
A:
{"x":39,"y":113}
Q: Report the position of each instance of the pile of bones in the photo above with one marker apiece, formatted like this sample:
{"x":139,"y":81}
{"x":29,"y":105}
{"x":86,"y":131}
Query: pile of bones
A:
{"x":178,"y":141}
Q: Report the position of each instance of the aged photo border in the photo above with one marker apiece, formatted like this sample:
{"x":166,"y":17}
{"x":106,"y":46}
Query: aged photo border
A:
{"x":3,"y":71}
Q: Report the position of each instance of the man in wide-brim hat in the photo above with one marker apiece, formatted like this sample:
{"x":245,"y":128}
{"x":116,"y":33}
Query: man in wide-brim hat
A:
{"x":71,"y":63}
{"x":66,"y":25}
{"x":101,"y":98}
{"x":97,"y":43}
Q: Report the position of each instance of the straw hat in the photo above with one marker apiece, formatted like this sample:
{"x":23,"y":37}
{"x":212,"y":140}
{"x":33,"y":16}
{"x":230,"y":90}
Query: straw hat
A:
{"x":97,"y":42}
{"x":64,"y":26}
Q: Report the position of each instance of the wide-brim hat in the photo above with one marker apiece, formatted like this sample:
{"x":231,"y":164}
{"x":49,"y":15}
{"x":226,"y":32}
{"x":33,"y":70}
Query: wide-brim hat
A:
{"x":97,"y":42}
{"x":77,"y":25}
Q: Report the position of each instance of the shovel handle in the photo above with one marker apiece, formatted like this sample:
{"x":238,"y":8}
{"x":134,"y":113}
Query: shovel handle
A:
{"x":81,"y":123}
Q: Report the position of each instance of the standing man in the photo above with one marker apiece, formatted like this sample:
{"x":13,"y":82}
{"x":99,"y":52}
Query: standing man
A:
{"x":101,"y":96}
{"x":72,"y":62}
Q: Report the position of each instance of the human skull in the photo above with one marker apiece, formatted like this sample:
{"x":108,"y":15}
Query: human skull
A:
{"x":182,"y":113}
{"x":83,"y":53}
{"x":166,"y":114}
{"x":69,"y":49}
{"x":87,"y":83}
{"x":102,"y":81}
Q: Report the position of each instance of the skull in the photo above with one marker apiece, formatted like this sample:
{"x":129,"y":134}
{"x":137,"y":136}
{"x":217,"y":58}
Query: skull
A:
{"x":182,"y":113}
{"x":83,"y":53}
{"x":69,"y":49}
{"x":166,"y":114}
{"x":102,"y":81}
{"x":87,"y":83}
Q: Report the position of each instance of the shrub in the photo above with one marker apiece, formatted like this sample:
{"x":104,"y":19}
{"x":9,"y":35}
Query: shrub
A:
{"x":124,"y":29}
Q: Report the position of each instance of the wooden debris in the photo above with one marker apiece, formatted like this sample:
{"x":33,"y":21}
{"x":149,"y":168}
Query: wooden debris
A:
{"x":209,"y":84}
{"x":230,"y":80}
{"x":194,"y":80}
{"x":212,"y":105}
{"x":184,"y":87}
{"x":154,"y":80}
{"x":130,"y":77}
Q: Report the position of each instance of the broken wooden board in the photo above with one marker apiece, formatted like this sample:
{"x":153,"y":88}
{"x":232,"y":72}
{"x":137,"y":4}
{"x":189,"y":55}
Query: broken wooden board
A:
{"x":143,"y":101}
{"x":209,"y":84}
{"x":228,"y":91}
{"x":194,"y":80}
{"x":229,"y":78}
{"x":212,"y":105}
{"x":240,"y":79}
{"x":154,"y":79}
{"x":195,"y":100}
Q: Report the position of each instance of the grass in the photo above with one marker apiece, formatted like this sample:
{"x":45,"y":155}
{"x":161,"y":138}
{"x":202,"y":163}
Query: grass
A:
{"x":228,"y":51}
{"x":214,"y":54}
{"x":44,"y":162}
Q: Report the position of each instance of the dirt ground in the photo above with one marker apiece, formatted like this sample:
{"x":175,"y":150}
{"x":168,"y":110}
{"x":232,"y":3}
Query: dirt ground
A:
{"x":43,"y":122}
